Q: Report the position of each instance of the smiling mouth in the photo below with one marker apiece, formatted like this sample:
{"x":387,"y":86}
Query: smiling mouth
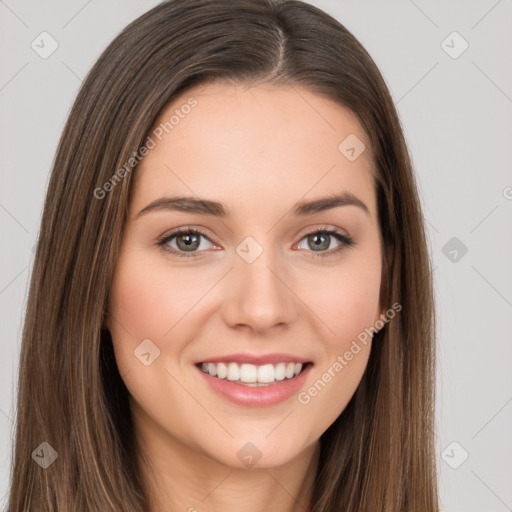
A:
{"x":251,"y":375}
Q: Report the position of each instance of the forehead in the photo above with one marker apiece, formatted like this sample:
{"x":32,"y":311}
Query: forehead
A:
{"x":235,"y":143}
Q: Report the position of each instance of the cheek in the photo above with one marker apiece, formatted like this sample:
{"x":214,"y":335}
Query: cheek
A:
{"x":346,"y":298}
{"x":137,"y":309}
{"x":338,"y":374}
{"x":347,"y":306}
{"x":144,"y":307}
{"x":149,"y":299}
{"x":327,"y":394}
{"x":152,"y":301}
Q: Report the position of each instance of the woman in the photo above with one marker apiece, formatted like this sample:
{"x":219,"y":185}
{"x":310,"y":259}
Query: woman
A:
{"x":231,"y":304}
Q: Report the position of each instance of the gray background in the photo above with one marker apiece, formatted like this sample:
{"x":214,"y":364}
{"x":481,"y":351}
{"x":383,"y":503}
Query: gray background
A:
{"x":456,"y":114}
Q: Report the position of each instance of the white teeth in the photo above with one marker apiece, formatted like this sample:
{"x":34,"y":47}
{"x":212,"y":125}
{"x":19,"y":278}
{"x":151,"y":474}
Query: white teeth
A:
{"x":266,"y":373}
{"x":280,"y":371}
{"x":222,"y":370}
{"x":233,"y":371}
{"x":250,"y":373}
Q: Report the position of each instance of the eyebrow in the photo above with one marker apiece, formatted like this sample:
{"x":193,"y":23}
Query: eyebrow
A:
{"x":208,"y":207}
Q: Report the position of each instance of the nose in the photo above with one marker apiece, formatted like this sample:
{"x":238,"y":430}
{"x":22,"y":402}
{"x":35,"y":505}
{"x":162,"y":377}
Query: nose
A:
{"x":259,"y":296}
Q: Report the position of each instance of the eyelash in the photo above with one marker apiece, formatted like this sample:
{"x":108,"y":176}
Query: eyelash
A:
{"x":346,"y":241}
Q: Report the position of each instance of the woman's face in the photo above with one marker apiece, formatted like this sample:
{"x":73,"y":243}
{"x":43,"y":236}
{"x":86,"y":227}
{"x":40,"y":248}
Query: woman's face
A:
{"x":257,"y":292}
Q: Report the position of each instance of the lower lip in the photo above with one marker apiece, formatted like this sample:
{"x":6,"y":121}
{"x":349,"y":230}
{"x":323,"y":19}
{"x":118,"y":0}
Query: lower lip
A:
{"x":261,"y":396}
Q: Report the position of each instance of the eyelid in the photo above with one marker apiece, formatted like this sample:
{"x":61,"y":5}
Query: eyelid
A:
{"x":315,"y":228}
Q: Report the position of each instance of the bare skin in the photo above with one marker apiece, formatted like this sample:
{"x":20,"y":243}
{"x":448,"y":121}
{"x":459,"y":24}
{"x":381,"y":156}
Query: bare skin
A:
{"x":258,"y":151}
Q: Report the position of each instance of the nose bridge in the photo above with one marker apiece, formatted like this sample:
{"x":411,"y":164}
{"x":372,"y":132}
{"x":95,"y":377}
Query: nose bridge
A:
{"x":258,"y":295}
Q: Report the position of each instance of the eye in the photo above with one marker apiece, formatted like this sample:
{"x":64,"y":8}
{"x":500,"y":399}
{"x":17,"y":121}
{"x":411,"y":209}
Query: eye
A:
{"x":187,"y":243}
{"x":320,"y":240}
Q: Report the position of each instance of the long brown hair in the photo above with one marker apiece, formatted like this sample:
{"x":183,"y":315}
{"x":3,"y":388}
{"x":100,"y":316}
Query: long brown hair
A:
{"x":379,"y":453}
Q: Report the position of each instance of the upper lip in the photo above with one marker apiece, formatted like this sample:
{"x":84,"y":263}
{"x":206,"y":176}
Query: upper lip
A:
{"x":256,"y":359}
